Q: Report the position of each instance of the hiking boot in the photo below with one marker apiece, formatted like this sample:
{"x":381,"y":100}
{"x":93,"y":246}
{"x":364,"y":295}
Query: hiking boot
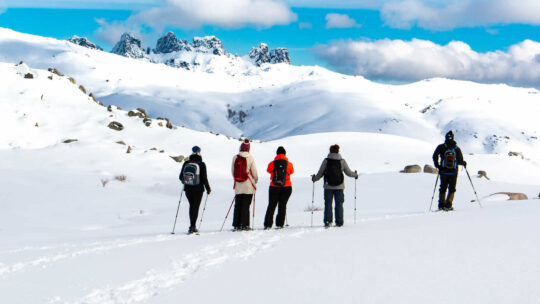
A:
{"x":327,"y":224}
{"x":339,"y":225}
{"x":267,"y":227}
{"x":279,"y":227}
{"x":192,"y":230}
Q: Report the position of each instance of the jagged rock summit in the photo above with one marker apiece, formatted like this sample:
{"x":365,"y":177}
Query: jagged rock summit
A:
{"x":262,"y":54}
{"x":129,"y":46}
{"x":170,"y":43}
{"x":83,"y":41}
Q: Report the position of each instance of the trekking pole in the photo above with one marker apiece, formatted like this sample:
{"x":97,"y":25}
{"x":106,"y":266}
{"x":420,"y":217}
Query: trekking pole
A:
{"x":434,"y":189}
{"x":355,"y":180}
{"x":478,"y":199}
{"x":204,"y":208}
{"x":226,"y":216}
{"x":253,"y":221}
{"x":286,"y":221}
{"x":177,"y":209}
{"x":312,"y":203}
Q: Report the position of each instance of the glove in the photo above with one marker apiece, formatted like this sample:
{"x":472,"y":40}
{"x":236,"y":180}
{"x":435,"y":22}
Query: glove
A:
{"x":438,"y":166}
{"x":464,"y":164}
{"x":313,"y":178}
{"x":356,"y":177}
{"x":208,"y":191}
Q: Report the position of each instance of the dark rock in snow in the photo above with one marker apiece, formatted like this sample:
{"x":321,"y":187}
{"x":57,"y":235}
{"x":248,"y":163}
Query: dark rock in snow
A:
{"x":29,"y":76}
{"x":262,"y":54}
{"x":115,"y":125}
{"x":83,"y":41}
{"x":412,"y":169}
{"x":68,"y":141}
{"x":129,"y":46}
{"x":178,"y":63}
{"x":170,"y":43}
{"x":208,"y":44}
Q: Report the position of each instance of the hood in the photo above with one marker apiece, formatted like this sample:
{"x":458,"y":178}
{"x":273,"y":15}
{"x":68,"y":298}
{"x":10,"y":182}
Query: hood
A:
{"x":334,"y":156}
{"x":244,"y":154}
{"x":281,"y":156}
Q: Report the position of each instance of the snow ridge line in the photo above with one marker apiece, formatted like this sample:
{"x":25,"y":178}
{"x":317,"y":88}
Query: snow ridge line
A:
{"x":154,"y":282}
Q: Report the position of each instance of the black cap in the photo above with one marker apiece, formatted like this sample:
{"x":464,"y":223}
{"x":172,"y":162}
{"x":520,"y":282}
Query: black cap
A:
{"x":281,"y":150}
{"x":449,"y":135}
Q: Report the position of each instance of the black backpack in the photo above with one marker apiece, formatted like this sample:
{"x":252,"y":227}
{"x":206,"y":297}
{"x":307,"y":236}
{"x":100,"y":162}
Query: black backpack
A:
{"x":279,"y":176}
{"x":333,"y":175}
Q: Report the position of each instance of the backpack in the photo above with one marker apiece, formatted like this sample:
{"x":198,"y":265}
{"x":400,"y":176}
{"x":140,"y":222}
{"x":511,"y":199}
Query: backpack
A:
{"x":191,"y":175}
{"x":449,"y":159}
{"x":279,"y":176}
{"x":240,"y":169}
{"x":333,"y":175}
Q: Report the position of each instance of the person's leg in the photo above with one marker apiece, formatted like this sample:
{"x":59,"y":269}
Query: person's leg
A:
{"x":328,"y":197}
{"x":244,"y":215}
{"x":273,"y":198}
{"x":340,"y":198}
{"x":194,"y":205}
{"x":284,"y":195}
{"x":442,"y":191}
{"x":452,"y":181}
{"x":237,"y":211}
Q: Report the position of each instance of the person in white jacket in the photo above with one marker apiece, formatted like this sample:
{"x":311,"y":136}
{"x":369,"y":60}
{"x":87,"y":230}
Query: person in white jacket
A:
{"x":245,"y":176}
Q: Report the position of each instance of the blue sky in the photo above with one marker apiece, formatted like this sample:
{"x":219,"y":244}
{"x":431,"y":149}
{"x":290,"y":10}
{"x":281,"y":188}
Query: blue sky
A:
{"x":350,"y":36}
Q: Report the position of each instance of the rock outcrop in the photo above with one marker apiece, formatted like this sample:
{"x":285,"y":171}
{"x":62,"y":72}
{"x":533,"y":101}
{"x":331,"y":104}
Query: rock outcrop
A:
{"x":82,"y":41}
{"x":412,"y":169}
{"x":129,"y":46}
{"x":170,"y":43}
{"x":262,"y":54}
{"x":208,"y":44}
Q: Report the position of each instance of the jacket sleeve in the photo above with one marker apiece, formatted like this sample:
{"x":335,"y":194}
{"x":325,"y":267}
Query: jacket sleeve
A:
{"x":232,"y":166}
{"x":253,"y":170}
{"x":182,"y":170}
{"x":204,"y":175}
{"x":460,"y":157}
{"x":320,"y":174}
{"x":270,"y":168}
{"x":290,"y":168}
{"x":436,"y":157}
{"x":346,"y":169}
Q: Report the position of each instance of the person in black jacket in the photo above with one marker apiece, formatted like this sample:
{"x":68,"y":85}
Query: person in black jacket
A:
{"x":450,"y":157}
{"x":194,"y":193}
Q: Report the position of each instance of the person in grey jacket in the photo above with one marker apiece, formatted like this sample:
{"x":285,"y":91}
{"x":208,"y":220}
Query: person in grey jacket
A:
{"x":332,"y":168}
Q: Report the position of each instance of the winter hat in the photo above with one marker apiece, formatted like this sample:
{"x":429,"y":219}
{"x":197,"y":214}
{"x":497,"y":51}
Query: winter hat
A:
{"x":449,"y":135}
{"x":244,"y":147}
{"x":196,"y":150}
{"x":334,"y":149}
{"x":281,"y":150}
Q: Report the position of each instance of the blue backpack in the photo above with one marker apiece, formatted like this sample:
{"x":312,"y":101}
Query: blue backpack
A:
{"x":191,"y":174}
{"x":449,"y":160}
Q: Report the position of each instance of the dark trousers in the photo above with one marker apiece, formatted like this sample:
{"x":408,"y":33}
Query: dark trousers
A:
{"x":194,"y":198}
{"x":277,"y":196}
{"x":241,"y":210}
{"x":339,"y":197}
{"x":448,"y":182}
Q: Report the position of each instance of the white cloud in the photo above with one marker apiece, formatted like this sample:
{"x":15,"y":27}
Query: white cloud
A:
{"x":83,"y":4}
{"x":340,"y":21}
{"x":398,"y":60}
{"x":189,"y":14}
{"x":366,"y":4}
{"x":449,"y":14}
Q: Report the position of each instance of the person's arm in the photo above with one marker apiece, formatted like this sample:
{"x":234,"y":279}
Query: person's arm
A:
{"x":182,"y":170}
{"x":270,"y":168}
{"x":436,"y":157}
{"x":460,"y":159}
{"x":347,"y":170}
{"x":204,"y":175}
{"x":253,"y":170}
{"x":290,"y":168}
{"x":320,"y":174}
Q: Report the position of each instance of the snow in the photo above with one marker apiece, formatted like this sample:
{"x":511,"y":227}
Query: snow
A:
{"x":66,"y":238}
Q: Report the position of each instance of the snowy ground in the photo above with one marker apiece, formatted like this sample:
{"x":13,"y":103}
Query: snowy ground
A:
{"x":68,"y":239}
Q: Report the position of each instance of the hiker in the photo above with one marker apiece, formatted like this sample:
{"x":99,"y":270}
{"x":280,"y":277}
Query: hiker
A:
{"x":450,"y":157}
{"x":332,"y":168}
{"x":280,"y":170}
{"x":195,"y":180}
{"x":245,"y":177}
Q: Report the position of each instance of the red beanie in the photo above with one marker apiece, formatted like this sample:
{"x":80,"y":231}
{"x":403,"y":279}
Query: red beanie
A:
{"x":244,"y":147}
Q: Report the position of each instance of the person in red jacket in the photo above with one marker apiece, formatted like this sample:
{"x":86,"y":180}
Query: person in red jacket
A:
{"x":280,"y":170}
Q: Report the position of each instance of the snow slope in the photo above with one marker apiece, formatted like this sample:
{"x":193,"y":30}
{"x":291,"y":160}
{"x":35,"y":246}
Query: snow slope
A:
{"x":66,"y":238}
{"x":276,"y":101}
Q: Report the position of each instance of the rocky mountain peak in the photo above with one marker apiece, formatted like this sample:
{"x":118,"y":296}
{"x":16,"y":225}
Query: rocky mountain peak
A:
{"x":129,"y":46}
{"x":83,"y":41}
{"x":208,"y":44}
{"x":262,"y":54}
{"x":170,"y":43}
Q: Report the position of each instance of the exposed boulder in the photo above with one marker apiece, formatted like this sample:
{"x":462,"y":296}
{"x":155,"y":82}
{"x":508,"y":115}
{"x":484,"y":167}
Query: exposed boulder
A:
{"x":513,"y":196}
{"x":82,"y":88}
{"x":147,"y":121}
{"x":128,"y":149}
{"x":178,"y":63}
{"x":130,"y":47}
{"x":121,"y":142}
{"x":178,"y":159}
{"x":83,"y":41}
{"x":68,"y":141}
{"x":138,"y":113}
{"x":482,"y":173}
{"x":55,"y":71}
{"x":170,"y":43}
{"x":262,"y":54}
{"x":72,"y":80}
{"x":430,"y":169}
{"x":115,"y":125}
{"x":168,"y":125}
{"x":412,"y":169}
{"x":29,"y":76}
{"x":208,"y":44}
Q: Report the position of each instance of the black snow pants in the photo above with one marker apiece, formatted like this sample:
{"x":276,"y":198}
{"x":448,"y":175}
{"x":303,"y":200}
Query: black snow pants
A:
{"x":194,"y":198}
{"x":448,"y":182}
{"x":277,"y":196}
{"x":241,"y":211}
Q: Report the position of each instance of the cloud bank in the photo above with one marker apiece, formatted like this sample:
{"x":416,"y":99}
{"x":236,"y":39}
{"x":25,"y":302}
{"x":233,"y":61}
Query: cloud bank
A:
{"x":398,"y":60}
{"x":340,"y":21}
{"x":189,"y":14}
